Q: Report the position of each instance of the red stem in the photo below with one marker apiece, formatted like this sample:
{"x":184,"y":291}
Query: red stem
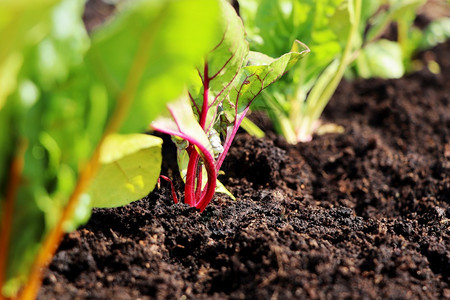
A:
{"x":212,"y":176}
{"x":174,"y":194}
{"x":190,"y":179}
{"x":193,"y":191}
{"x":229,"y":139}
{"x":211,"y":185}
{"x":198,"y":189}
{"x":205,"y":96}
{"x":194,"y":196}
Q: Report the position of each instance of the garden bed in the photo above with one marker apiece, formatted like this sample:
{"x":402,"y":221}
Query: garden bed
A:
{"x":361,"y":215}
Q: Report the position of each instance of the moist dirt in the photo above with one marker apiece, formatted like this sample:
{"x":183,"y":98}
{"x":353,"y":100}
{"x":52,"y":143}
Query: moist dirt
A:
{"x":360,"y":215}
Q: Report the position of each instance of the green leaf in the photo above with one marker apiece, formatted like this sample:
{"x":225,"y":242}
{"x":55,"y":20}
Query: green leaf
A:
{"x":65,"y":46}
{"x":63,"y":100}
{"x":342,"y":21}
{"x":129,"y":171}
{"x":259,"y":74}
{"x":220,"y":188}
{"x":9,"y":70}
{"x":274,"y":25}
{"x":368,"y":9}
{"x":438,"y":31}
{"x":398,"y":10}
{"x":22,"y":25}
{"x":223,"y":63}
{"x":48,"y":176}
{"x":278,"y":23}
{"x":7,"y":139}
{"x":382,"y":59}
{"x":157,"y":44}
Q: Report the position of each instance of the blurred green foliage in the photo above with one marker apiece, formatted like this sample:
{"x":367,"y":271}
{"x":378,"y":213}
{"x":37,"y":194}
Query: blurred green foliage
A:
{"x":63,"y":93}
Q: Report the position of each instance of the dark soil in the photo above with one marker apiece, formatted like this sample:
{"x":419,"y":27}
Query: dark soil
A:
{"x":359,"y":215}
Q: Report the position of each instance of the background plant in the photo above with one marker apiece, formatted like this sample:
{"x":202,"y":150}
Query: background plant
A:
{"x":337,"y":32}
{"x":71,"y":110}
{"x":385,"y":57}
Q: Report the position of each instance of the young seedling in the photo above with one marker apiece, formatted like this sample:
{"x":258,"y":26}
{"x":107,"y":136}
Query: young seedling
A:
{"x":205,"y":121}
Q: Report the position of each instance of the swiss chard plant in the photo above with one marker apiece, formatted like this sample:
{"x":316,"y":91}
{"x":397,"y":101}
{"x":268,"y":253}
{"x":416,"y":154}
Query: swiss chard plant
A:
{"x":330,"y":28}
{"x":344,"y":36}
{"x":393,"y":57}
{"x":204,"y":121}
{"x":73,"y":108}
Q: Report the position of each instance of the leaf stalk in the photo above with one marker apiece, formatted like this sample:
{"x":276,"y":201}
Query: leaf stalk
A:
{"x":16,"y":168}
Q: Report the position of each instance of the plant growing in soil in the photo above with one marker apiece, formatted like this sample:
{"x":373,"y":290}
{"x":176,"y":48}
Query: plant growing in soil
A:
{"x":205,"y":121}
{"x":330,"y":29}
{"x":72,"y":107}
{"x":381,"y":57}
{"x":337,"y":32}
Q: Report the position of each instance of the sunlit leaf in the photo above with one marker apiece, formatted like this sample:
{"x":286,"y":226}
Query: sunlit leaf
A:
{"x":258,"y":75}
{"x":157,"y":44}
{"x":383,"y":59}
{"x":22,"y":24}
{"x":129,"y":171}
{"x":62,"y":100}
